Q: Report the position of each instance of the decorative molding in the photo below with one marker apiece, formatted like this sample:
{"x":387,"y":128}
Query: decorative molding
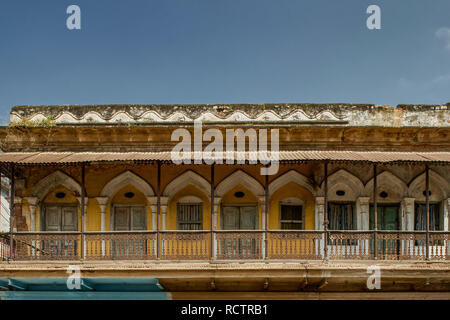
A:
{"x":122,"y":180}
{"x":242,"y":178}
{"x":439,"y":186}
{"x":343,"y":180}
{"x":291,"y":176}
{"x":180,"y":113}
{"x":386,"y":181}
{"x":57,"y":178}
{"x":190,"y":199}
{"x":188,"y":177}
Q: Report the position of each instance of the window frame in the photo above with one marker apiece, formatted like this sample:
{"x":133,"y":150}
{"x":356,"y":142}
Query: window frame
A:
{"x":113,"y":215}
{"x":439,"y":211}
{"x":178,"y":223}
{"x":354,"y":215}
{"x":43,"y":213}
{"x":294,"y":202}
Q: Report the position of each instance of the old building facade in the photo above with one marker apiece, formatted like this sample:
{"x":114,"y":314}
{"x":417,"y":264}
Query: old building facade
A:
{"x":96,"y":186}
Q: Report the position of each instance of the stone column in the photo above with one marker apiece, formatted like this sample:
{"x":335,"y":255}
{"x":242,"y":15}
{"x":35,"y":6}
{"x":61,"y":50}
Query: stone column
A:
{"x":362,"y":221}
{"x":164,"y":203}
{"x":407,"y":208}
{"x":362,"y":213}
{"x":407,"y":214}
{"x":318,"y":222}
{"x":216,"y":223}
{"x":446,"y":214}
{"x":154,"y":207}
{"x":102,"y":201}
{"x":32,"y":204}
{"x":319,"y":213}
{"x":262,"y":204}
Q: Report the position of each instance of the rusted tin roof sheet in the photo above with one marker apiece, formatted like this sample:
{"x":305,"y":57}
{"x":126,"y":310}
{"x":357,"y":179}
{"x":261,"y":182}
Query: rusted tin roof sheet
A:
{"x":284,"y":156}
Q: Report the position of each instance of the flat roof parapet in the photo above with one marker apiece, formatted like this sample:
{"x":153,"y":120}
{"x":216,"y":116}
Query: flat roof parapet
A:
{"x":359,"y":115}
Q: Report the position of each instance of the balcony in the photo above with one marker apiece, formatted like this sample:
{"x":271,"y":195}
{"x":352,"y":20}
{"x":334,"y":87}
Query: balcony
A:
{"x":225,"y":245}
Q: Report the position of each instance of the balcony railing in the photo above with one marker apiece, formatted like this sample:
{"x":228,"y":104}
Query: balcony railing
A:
{"x":225,"y":245}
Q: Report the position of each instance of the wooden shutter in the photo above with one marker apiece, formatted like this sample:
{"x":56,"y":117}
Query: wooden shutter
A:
{"x":189,"y":216}
{"x":248,"y":218}
{"x":230,"y":218}
{"x":69,"y":218}
{"x":121,"y":218}
{"x":138,"y":221}
{"x":52,"y":218}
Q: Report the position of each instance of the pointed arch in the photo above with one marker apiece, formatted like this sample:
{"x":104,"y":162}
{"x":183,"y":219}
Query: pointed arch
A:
{"x":242,"y":178}
{"x":122,"y":180}
{"x":395,"y":187}
{"x":440,"y":188}
{"x":343,"y":180}
{"x":291,"y":176}
{"x":57,"y":178}
{"x":188,"y":177}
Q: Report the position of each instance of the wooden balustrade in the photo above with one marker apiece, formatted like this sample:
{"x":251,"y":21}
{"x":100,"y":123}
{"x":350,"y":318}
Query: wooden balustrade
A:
{"x":354,"y":245}
{"x":227,"y":245}
{"x":46,"y":246}
{"x":4,"y":246}
{"x":185,"y":245}
{"x":120,"y":245}
{"x":283,"y":244}
{"x":239,"y":245}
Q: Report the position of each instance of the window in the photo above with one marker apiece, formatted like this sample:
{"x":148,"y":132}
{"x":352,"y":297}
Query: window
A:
{"x":420,"y":217}
{"x":341,"y":216}
{"x":60,"y":217}
{"x":129,"y":218}
{"x":189,"y":216}
{"x":291,"y":217}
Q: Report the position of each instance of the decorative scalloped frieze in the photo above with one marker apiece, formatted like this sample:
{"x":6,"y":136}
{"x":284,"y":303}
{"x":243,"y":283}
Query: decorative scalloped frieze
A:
{"x":178,"y":114}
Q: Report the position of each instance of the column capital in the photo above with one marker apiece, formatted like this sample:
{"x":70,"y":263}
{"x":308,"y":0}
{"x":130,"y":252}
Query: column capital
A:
{"x":363,"y":200}
{"x":320,"y":200}
{"x":17,"y":200}
{"x":32,"y":201}
{"x":153,"y":200}
{"x":217,"y":201}
{"x":408,"y":201}
{"x":164,"y":200}
{"x":262,"y":199}
{"x":102,"y":201}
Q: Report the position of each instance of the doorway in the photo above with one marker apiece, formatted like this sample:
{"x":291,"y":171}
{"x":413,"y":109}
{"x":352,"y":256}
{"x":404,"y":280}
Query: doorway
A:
{"x":388,"y":218}
{"x":240,"y":217}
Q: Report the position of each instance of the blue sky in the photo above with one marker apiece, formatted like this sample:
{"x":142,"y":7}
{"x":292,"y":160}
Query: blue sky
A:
{"x":229,"y":51}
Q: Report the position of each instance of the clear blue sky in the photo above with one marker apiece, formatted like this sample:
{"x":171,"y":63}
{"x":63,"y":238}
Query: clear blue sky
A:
{"x":229,"y":51}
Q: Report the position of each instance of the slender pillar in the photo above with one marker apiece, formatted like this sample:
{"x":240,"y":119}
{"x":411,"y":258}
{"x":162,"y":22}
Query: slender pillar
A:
{"x":11,"y":213}
{"x":83,"y":217}
{"x":266,"y":213}
{"x":427,"y":204}
{"x":158,"y":209}
{"x":375,"y":211}
{"x":325,"y":212}
{"x":212,"y":246}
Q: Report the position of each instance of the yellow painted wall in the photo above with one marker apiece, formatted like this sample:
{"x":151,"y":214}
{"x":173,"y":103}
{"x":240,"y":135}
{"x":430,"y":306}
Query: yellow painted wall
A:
{"x":51,"y":198}
{"x":189,"y":190}
{"x":119,"y":198}
{"x":98,"y":175}
{"x":287,"y":191}
{"x":229,"y":198}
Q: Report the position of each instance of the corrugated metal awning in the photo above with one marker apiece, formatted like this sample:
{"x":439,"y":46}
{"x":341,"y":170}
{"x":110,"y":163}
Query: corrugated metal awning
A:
{"x":27,"y":158}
